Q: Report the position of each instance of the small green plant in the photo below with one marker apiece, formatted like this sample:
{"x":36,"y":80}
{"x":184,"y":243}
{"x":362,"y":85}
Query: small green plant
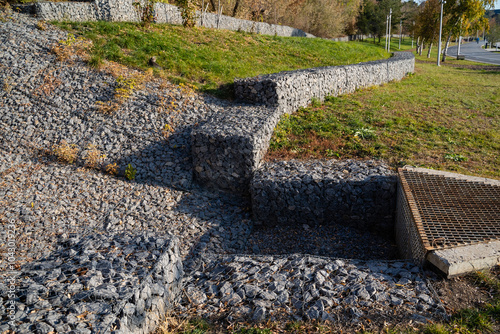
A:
{"x":130,"y":172}
{"x":95,"y":61}
{"x":331,"y":153}
{"x":124,"y":88}
{"x":365,"y":133}
{"x":455,"y":157}
{"x":70,"y":40}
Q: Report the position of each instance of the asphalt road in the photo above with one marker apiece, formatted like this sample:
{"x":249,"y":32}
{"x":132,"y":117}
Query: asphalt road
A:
{"x":473,"y":51}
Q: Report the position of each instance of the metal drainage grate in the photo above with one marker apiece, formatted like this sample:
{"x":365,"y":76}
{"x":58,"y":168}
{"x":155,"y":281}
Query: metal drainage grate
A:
{"x":444,"y":210}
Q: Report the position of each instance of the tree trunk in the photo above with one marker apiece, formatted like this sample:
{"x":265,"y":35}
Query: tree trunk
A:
{"x":418,"y":45}
{"x":213,"y":5}
{"x":445,"y":51}
{"x":421,"y":47}
{"x":429,"y":51}
{"x":236,"y":6}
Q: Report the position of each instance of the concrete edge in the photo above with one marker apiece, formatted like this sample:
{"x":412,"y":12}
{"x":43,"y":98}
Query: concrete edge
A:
{"x":453,"y":175}
{"x":465,"y":259}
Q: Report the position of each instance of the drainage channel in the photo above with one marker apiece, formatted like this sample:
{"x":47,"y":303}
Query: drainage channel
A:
{"x":450,"y":220}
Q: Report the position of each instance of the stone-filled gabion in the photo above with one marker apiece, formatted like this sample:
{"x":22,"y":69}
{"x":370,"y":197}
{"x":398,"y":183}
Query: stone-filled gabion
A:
{"x":99,"y":283}
{"x":325,"y":192}
{"x":228,"y":148}
{"x":294,"y":89}
{"x":123,"y":10}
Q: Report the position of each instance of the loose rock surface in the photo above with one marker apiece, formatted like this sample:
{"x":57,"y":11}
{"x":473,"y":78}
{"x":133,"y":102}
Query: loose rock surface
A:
{"x":299,"y":287}
{"x":94,"y":237}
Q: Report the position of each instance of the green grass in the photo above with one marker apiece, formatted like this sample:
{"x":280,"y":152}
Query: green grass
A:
{"x":443,"y":118}
{"x":211,"y":59}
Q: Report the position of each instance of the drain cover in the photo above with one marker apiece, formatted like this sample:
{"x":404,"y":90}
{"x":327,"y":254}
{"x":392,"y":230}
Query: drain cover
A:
{"x":440,"y":210}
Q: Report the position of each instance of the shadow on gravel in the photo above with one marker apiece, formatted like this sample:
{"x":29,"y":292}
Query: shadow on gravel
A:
{"x":164,"y":163}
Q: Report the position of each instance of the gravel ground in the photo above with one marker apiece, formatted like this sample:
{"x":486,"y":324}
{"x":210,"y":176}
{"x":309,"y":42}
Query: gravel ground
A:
{"x":44,"y":101}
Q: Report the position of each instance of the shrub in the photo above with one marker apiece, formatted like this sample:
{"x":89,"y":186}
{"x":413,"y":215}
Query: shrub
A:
{"x":93,"y":157}
{"x":65,"y":152}
{"x":188,"y":13}
{"x":112,"y":168}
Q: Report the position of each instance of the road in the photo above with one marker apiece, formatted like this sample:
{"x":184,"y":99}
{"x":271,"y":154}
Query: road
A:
{"x":473,"y":51}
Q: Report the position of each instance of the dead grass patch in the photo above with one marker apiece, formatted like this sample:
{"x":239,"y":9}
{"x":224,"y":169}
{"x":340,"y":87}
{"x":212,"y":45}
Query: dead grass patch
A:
{"x":65,"y":152}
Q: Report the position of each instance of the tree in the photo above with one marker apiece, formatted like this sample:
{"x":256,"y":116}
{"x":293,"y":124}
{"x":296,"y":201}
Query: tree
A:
{"x":464,"y":16}
{"x":493,"y":35}
{"x":427,"y":24}
{"x":372,"y":18}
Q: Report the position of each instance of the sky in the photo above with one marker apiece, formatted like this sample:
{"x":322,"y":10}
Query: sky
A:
{"x":497,"y":4}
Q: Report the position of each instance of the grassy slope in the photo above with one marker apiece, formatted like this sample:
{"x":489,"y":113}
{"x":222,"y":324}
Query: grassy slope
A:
{"x":444,"y":118}
{"x":420,"y":120}
{"x":210,"y":58}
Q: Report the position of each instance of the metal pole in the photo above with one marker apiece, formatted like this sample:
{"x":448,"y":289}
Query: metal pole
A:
{"x":459,"y":38}
{"x":440,"y":33}
{"x":400,"y":32}
{"x":386,"y":30}
{"x":413,"y":34}
{"x":390,"y":23}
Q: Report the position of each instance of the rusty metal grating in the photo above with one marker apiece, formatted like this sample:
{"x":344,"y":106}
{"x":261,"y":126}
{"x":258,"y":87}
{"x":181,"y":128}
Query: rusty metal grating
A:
{"x":446,"y":210}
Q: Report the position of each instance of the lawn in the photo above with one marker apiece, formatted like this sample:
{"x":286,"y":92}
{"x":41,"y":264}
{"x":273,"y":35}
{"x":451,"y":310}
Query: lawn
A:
{"x":443,"y":118}
{"x":211,"y":59}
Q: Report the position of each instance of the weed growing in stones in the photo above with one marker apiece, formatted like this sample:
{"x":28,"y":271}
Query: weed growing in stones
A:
{"x":41,"y":25}
{"x":124,"y":88}
{"x":50,"y":83}
{"x":95,"y":61}
{"x":65,"y":152}
{"x":67,"y":50}
{"x":112,"y":168}
{"x":130,"y":172}
{"x":167,"y":131}
{"x":7,"y":85}
{"x":93,"y":157}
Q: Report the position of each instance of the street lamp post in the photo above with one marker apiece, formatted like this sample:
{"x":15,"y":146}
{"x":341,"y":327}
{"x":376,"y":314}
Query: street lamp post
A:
{"x":390,"y":23}
{"x":400,"y":32}
{"x":440,"y":32}
{"x":413,"y":34}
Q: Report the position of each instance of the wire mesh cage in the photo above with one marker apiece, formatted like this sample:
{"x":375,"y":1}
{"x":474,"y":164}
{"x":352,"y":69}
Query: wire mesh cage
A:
{"x":438,"y":210}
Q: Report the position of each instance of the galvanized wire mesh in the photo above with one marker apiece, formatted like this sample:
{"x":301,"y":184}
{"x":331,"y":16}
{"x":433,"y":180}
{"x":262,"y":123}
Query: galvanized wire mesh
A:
{"x":451,"y":211}
{"x":407,"y":235}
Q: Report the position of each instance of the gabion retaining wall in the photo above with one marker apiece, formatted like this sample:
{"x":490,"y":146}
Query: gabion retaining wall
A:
{"x":228,"y":148}
{"x":102,"y":275}
{"x":293,"y":89}
{"x":123,"y":10}
{"x":361,"y":193}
